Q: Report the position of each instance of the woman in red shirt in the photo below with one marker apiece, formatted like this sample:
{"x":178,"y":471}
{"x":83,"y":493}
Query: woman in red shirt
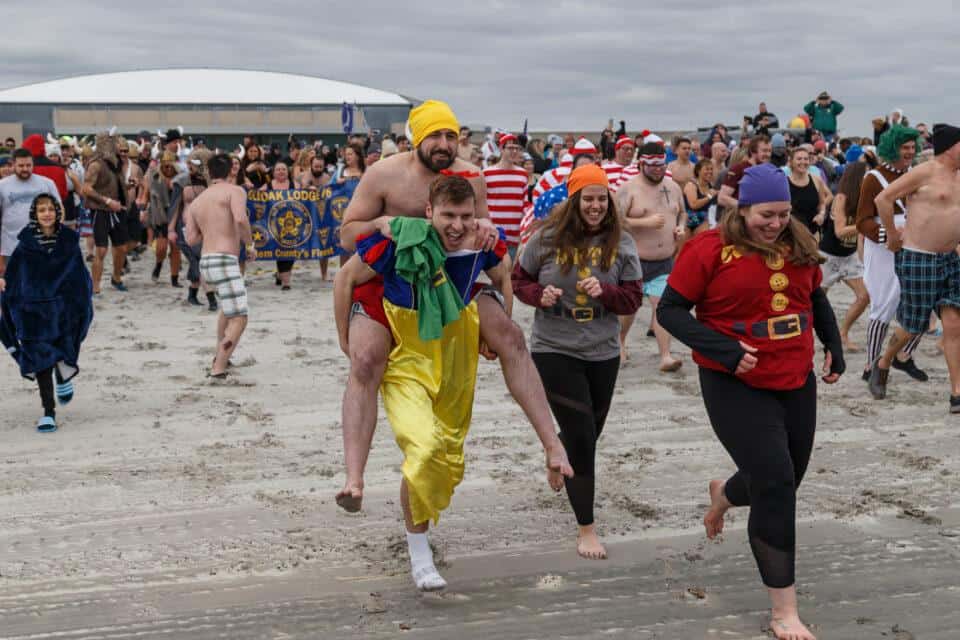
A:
{"x":755,"y":283}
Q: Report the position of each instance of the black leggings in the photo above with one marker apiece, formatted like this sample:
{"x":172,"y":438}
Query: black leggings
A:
{"x":579,"y":392}
{"x":769,"y":435}
{"x":45,"y":382}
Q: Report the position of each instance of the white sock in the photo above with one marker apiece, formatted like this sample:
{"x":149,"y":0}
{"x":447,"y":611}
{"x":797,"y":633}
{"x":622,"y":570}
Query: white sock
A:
{"x":425,"y":574}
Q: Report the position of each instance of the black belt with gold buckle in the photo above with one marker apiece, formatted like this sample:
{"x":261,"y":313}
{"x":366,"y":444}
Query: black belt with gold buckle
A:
{"x":580,"y":314}
{"x":776,"y":328}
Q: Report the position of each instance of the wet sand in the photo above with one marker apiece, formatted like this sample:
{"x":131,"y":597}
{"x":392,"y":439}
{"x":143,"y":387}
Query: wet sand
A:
{"x":169,"y":507}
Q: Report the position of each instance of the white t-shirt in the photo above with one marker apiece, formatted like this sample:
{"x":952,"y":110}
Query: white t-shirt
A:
{"x":16,"y":196}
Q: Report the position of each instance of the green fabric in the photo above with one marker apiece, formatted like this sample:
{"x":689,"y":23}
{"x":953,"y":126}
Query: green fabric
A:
{"x":420,"y":258}
{"x":823,"y":119}
{"x":893,"y":138}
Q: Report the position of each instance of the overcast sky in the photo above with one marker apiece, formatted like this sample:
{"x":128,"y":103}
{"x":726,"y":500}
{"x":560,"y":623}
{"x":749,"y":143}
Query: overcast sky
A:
{"x":565,"y":64}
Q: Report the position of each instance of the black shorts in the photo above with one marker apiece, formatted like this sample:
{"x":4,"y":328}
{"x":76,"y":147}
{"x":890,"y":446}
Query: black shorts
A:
{"x":134,"y":228}
{"x":285,"y":266}
{"x":160,"y":230}
{"x":109,"y":228}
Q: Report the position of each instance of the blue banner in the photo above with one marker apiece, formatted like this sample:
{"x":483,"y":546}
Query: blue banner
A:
{"x":296,"y":224}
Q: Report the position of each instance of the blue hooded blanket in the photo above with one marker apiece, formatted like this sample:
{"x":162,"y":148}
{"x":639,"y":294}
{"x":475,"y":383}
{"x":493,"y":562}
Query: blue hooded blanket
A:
{"x":47,"y":306}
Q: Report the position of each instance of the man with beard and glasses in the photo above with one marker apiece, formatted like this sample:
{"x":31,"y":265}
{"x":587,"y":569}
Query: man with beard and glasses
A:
{"x":654,"y":214}
{"x":105,"y":192}
{"x":399,"y":186}
{"x":17,"y":193}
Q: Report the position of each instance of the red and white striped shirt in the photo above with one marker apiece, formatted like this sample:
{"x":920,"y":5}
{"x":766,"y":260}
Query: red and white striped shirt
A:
{"x":506,"y":191}
{"x":613,"y":171}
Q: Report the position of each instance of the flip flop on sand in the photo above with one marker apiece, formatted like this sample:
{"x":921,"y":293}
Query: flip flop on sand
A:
{"x":46,"y":424}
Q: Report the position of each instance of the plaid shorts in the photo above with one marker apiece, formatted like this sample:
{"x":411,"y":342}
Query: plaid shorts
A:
{"x":928,"y":281}
{"x":222,"y":270}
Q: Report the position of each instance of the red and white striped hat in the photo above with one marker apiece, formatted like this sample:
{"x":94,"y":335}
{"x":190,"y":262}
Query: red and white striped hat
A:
{"x":650,"y":137}
{"x":505,"y":139}
{"x":583,"y":146}
{"x":623,"y":141}
{"x":566,"y":160}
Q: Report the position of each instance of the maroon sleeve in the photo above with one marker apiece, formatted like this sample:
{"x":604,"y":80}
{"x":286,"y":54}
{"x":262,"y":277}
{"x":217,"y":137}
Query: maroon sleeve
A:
{"x":525,"y":286}
{"x":622,"y":299}
{"x":733,"y":176}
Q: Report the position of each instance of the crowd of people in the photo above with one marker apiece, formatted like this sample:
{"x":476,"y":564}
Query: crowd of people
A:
{"x":748,"y":228}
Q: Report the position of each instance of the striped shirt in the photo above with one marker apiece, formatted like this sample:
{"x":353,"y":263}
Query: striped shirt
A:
{"x":613,"y":171}
{"x":549,"y":180}
{"x":506,"y":195}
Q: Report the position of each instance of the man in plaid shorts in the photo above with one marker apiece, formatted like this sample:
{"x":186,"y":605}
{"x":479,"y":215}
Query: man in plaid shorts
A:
{"x":927,"y":260}
{"x":217,"y":218}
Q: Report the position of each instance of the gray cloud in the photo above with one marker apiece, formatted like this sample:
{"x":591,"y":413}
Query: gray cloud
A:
{"x":564,"y":64}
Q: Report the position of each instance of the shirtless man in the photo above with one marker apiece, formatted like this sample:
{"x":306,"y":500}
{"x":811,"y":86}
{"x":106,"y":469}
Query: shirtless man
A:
{"x":927,"y":263}
{"x":217,"y":218}
{"x":653,"y":213}
{"x":681,"y":169}
{"x":398,"y":186}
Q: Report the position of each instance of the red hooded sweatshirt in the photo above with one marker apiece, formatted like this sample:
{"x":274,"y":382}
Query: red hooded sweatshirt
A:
{"x":44,"y":167}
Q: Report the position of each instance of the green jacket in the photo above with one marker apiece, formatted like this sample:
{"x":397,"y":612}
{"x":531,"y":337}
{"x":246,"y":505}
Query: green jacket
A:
{"x":420,"y":259}
{"x":823,"y":119}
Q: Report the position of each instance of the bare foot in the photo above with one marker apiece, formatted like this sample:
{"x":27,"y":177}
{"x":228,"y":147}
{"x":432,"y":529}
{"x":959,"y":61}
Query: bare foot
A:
{"x":719,"y":504}
{"x":670,"y":364}
{"x":350,"y":498}
{"x":852,"y":347}
{"x":789,"y":628}
{"x":624,"y":354}
{"x":589,"y":545}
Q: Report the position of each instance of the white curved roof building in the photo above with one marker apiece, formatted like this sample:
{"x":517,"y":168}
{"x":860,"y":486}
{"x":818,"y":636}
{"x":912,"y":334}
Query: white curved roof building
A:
{"x":209,"y":102}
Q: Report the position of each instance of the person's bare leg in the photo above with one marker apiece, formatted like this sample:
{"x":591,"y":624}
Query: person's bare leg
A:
{"x":713,"y":520}
{"x":625,"y":323}
{"x":119,"y":256}
{"x":950,"y":319}
{"x":506,"y":339}
{"x":854,"y":311}
{"x":898,"y":341}
{"x":91,"y":247}
{"x":161,"y":250}
{"x":369,"y":348}
{"x":99,"y":254}
{"x":221,"y":327}
{"x":225,"y":346}
{"x":324,"y":267}
{"x":285,"y":278}
{"x":174,"y":260}
{"x":784,"y":618}
{"x":588,"y":543}
{"x":667,"y":361}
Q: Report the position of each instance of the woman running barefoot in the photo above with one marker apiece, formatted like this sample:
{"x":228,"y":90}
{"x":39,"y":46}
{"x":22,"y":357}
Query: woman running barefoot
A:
{"x":755,"y":283}
{"x":580,"y":272}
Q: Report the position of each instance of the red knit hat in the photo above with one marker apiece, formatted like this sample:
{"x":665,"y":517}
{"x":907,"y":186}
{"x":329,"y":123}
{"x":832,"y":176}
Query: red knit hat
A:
{"x":623,"y":141}
{"x":506,"y":139}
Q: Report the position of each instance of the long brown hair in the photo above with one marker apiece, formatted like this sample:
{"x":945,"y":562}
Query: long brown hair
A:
{"x":564,"y":232}
{"x":849,"y":186}
{"x":796,"y":242}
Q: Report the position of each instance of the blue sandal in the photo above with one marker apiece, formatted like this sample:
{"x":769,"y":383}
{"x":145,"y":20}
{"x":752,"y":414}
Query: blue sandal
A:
{"x":46,"y":424}
{"x":65,"y":392}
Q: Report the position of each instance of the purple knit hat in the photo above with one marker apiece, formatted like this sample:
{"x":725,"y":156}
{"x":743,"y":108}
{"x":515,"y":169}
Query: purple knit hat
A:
{"x":763,"y":183}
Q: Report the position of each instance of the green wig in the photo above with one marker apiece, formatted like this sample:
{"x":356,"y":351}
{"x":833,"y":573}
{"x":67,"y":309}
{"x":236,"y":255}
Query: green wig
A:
{"x":893,"y":138}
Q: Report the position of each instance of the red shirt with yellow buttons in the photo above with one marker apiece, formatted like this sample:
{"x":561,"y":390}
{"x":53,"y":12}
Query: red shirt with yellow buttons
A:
{"x":762,"y":302}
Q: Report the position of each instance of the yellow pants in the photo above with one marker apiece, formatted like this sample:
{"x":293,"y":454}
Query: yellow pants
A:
{"x":428,"y":395}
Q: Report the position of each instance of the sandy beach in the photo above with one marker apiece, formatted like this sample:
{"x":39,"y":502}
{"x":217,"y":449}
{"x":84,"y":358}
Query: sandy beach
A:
{"x":167,"y":506}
